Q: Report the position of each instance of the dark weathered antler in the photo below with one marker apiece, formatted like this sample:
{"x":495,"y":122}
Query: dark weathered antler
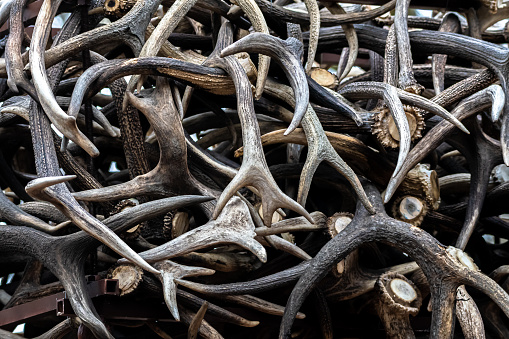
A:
{"x":205,"y":129}
{"x":254,"y":170}
{"x":419,"y":245}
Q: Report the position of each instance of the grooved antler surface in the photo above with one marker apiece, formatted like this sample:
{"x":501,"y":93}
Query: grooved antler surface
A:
{"x":330,"y":193}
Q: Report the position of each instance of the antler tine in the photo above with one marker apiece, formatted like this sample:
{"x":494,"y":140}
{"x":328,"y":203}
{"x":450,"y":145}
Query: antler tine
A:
{"x":492,"y":96}
{"x":13,"y":61}
{"x":255,"y":15}
{"x":161,"y":33}
{"x":170,"y":272}
{"x":254,"y":170}
{"x":320,"y":150}
{"x":266,"y":283}
{"x":233,"y":225}
{"x":412,"y":240}
{"x":351,"y":37}
{"x":391,"y":98}
{"x":286,"y":53}
{"x":164,"y":179}
{"x":40,"y":188}
{"x":450,"y":23}
{"x":63,"y":122}
{"x":406,"y":75}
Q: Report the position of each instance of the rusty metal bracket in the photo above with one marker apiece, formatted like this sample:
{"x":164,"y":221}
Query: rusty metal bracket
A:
{"x":113,"y":308}
{"x":104,"y":294}
{"x":18,"y":314}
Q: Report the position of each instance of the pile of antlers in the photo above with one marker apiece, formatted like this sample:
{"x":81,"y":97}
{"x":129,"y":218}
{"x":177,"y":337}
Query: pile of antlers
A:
{"x":213,"y":202}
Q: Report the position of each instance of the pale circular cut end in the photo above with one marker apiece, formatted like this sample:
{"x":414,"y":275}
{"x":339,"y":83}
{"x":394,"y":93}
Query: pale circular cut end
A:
{"x":168,"y":224}
{"x":422,"y":182}
{"x":429,"y":181}
{"x":393,"y":129}
{"x":335,"y":224}
{"x":129,"y":277}
{"x":386,"y":130}
{"x":276,"y":217}
{"x":463,"y":258}
{"x":338,"y":222}
{"x":288,"y":237}
{"x":410,"y":208}
{"x":134,"y":229}
{"x":123,"y":205}
{"x":398,"y":294}
{"x":179,"y":224}
{"x":341,"y":223}
{"x":250,"y":68}
{"x":324,"y":78}
{"x":403,"y":290}
{"x":414,"y":88}
{"x":175,"y":223}
{"x":340,"y":267}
